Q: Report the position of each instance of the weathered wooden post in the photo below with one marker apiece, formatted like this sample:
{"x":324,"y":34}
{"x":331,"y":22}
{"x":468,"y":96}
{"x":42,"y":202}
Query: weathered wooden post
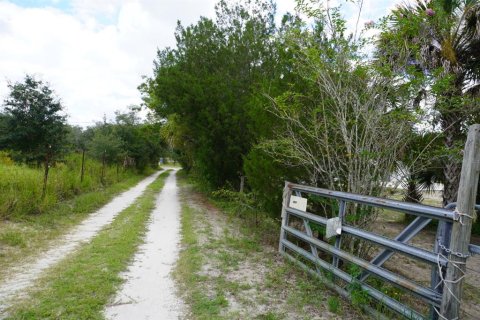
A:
{"x":242,"y":183}
{"x":287,"y":192}
{"x":48,"y":157}
{"x":461,"y":229}
{"x":102,"y":179}
{"x":82,"y":174}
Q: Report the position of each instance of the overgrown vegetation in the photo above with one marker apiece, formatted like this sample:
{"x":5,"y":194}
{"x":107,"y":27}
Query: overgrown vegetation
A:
{"x":309,"y":100}
{"x":80,"y":287}
{"x":246,"y":103}
{"x":304,"y":100}
{"x":22,"y":189}
{"x":34,"y":134}
{"x":227,"y":268}
{"x":33,"y":124}
{"x":434,"y":46}
{"x":25,"y":237}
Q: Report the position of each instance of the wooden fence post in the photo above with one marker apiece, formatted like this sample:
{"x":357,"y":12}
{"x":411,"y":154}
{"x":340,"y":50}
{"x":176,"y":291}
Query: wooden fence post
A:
{"x":83,"y":166}
{"x":242,"y":183}
{"x":287,"y":192}
{"x":102,"y":178}
{"x":461,"y":229}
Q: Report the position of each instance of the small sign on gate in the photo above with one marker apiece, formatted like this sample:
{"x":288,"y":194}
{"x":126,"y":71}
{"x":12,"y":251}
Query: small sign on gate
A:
{"x":298,"y":203}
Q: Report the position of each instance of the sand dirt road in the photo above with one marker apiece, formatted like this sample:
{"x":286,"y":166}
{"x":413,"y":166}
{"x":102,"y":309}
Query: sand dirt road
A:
{"x":149,"y":291}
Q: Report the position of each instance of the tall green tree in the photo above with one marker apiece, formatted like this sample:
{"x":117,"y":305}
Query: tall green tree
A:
{"x":106,"y":146}
{"x":437,"y":44}
{"x":128,"y":141}
{"x":142,"y":142}
{"x":210,"y":83}
{"x":35,"y":122}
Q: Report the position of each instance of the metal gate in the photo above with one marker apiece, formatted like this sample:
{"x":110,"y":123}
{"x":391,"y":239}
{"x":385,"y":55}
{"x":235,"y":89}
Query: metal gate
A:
{"x":299,"y":244}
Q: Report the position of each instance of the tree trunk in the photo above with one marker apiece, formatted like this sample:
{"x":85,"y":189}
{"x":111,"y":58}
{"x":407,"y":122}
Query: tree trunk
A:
{"x":242,"y":183}
{"x":451,"y":172}
{"x":83,"y":166}
{"x":412,"y":193}
{"x":452,"y":166}
{"x":45,"y":175}
{"x":103,"y":167}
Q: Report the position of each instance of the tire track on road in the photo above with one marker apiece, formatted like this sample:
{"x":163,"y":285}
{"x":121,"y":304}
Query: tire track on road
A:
{"x":22,"y":277}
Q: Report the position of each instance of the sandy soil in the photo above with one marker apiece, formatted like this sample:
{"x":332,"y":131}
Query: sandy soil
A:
{"x":256,"y":300}
{"x":258,"y":283}
{"x":23,"y":276}
{"x":420,"y":272}
{"x":149,"y":291}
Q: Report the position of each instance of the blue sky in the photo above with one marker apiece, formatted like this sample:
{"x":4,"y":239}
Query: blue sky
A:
{"x":94,"y":52}
{"x":61,"y":4}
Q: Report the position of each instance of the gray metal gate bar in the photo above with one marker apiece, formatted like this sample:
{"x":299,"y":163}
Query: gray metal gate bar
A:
{"x":374,"y":293}
{"x":338,"y":240}
{"x":411,"y":208}
{"x":474,"y":249}
{"x":342,"y":292}
{"x":406,"y":235}
{"x":415,"y":252}
{"x":425,"y":293}
{"x":453,"y":233}
{"x":306,"y":225}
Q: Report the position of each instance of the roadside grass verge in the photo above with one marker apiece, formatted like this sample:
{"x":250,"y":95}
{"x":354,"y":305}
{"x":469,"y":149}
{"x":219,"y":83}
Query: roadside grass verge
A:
{"x":234,"y":205}
{"x":227,"y":269}
{"x":187,"y":271}
{"x":23,"y":238}
{"x":228,"y":254}
{"x":80,"y":286}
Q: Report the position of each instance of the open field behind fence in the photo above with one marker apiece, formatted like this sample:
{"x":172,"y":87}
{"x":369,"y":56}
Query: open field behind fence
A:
{"x":21,"y":185}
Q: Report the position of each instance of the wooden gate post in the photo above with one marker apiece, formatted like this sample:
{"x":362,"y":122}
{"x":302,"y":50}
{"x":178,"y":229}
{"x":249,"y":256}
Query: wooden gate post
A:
{"x":461,"y":229}
{"x":287,"y":192}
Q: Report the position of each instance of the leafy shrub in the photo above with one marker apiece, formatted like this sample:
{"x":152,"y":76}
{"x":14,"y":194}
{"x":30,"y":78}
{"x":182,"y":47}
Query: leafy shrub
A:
{"x":5,"y":159}
{"x":266,"y":177}
{"x":241,"y":202}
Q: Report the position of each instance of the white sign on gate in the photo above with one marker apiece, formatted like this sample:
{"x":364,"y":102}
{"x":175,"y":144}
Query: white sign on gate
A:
{"x":298,"y":203}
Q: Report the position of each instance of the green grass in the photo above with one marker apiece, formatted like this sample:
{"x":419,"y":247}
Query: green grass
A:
{"x":13,"y":238}
{"x":25,"y":237}
{"x":81,"y":286}
{"x":216,"y":257}
{"x":189,"y":263}
{"x":269,"y":316}
{"x":333,"y":304}
{"x":21,"y":185}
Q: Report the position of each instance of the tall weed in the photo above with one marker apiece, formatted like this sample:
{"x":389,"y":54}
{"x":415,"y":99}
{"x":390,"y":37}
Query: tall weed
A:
{"x":21,"y":185}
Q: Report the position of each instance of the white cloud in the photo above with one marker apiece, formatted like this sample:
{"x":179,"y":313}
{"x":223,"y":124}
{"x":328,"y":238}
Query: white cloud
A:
{"x":95,"y":67}
{"x":93,"y":53}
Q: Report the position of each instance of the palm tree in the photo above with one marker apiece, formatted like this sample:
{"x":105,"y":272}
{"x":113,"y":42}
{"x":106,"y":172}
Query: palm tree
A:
{"x":439,"y":41}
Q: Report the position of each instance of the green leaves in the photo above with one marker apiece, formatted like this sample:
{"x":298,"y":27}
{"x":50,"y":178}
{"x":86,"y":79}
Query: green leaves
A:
{"x":128,"y":141}
{"x":33,"y":121}
{"x":211,"y":83}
